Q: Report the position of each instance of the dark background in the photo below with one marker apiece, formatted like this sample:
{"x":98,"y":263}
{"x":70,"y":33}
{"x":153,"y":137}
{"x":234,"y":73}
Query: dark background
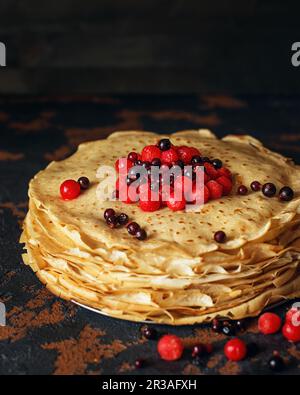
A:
{"x":158,"y":46}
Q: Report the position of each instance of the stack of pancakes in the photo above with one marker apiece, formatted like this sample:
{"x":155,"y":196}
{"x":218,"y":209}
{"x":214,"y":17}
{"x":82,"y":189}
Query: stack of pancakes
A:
{"x":179,"y":274}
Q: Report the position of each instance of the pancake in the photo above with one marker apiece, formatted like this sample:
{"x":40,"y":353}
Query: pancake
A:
{"x":179,"y":274}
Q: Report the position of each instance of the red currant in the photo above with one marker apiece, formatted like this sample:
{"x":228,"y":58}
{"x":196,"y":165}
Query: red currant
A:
{"x":170,"y":348}
{"x":235,"y":349}
{"x":293,"y":315}
{"x":269,"y":323}
{"x":70,"y":189}
{"x":150,"y":152}
{"x":291,"y":332}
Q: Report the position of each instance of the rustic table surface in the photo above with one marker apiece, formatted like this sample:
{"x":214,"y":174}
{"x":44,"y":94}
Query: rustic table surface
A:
{"x":46,"y":335}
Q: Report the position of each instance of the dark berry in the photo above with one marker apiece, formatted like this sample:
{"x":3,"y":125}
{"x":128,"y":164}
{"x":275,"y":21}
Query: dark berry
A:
{"x":197,"y":350}
{"x":216,"y":325}
{"x":255,"y":186}
{"x":240,"y":325}
{"x":132,"y":156}
{"x":138,"y":162}
{"x":188,"y":172}
{"x":276,"y":363}
{"x":109,"y":212}
{"x":217,"y":163}
{"x":164,"y":144}
{"x":179,"y":163}
{"x":146,"y":165}
{"x":148,"y":333}
{"x":220,"y":236}
{"x":156,"y":162}
{"x":269,"y":189}
{"x":84,"y":182}
{"x":205,"y":159}
{"x":132,"y":228}
{"x":141,"y":234}
{"x":139,"y":363}
{"x":228,"y":329}
{"x":242,"y":190}
{"x":196,"y":160}
{"x":133,"y":174}
{"x":122,"y":219}
{"x":112,"y":221}
{"x":286,"y":194}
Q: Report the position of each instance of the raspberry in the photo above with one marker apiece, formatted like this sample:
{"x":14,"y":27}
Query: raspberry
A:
{"x":174,"y":204}
{"x":149,"y":200}
{"x":293,"y":316}
{"x":224,"y":172}
{"x":122,"y":165}
{"x":186,"y":153}
{"x":215,"y":189}
{"x":70,"y":189}
{"x":170,"y":348}
{"x":183,"y":184}
{"x":169,"y":157}
{"x":149,"y":205}
{"x":210,"y":170}
{"x":269,"y":323}
{"x":291,"y":332}
{"x":235,"y":349}
{"x":199,"y":194}
{"x":150,"y":152}
{"x":226,"y":183}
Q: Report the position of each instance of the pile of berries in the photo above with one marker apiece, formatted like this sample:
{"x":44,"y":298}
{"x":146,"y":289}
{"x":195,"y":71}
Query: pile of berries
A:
{"x":71,"y":189}
{"x":113,"y":220}
{"x":269,"y":323}
{"x":176,"y":184}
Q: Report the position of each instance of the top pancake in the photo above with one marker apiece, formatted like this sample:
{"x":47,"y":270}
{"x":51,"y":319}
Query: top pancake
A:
{"x":250,"y":218}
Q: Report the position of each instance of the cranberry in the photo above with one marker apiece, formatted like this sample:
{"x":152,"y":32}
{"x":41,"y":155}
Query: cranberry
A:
{"x":228,"y":329}
{"x":164,"y":144}
{"x":112,"y":221}
{"x":220,"y":236}
{"x":276,"y":363}
{"x":146,"y":165}
{"x":180,"y":163}
{"x":255,"y":186}
{"x":269,"y":189}
{"x":205,"y":159}
{"x":122,"y":219}
{"x":138,"y":162}
{"x":70,"y":189}
{"x":291,"y":332}
{"x":132,"y":228}
{"x":240,"y":325}
{"x":286,"y":194}
{"x":170,"y":347}
{"x":132,"y":156}
{"x":242,"y":190}
{"x":216,"y":325}
{"x":84,"y":182}
{"x":141,"y":234}
{"x":217,"y":163}
{"x":109,"y":212}
{"x":269,"y":323}
{"x":235,"y":349}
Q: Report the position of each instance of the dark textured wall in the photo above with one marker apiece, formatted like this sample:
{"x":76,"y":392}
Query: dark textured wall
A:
{"x":147,"y":46}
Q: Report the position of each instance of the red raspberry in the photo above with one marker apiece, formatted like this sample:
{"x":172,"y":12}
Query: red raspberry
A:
{"x":186,"y":153}
{"x":149,"y":200}
{"x":174,"y":204}
{"x":183,"y":184}
{"x":122,"y":165}
{"x":291,"y":332}
{"x":224,"y":172}
{"x":70,"y":189}
{"x":210,"y":170}
{"x":269,"y":323}
{"x":150,"y":152}
{"x":206,"y":177}
{"x":149,"y":205}
{"x":226,"y":183}
{"x":235,"y":349}
{"x":169,"y":157}
{"x":293,"y":315}
{"x":215,"y":189}
{"x":199,"y":194}
{"x":170,"y":347}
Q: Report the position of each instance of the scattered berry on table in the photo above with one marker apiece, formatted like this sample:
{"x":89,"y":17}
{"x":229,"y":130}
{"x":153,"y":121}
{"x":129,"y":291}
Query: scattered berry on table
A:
{"x":269,"y":323}
{"x":291,"y":332}
{"x":197,"y":350}
{"x":139,"y":363}
{"x":276,"y":363}
{"x":148,"y":332}
{"x":220,"y":236}
{"x":235,"y":349}
{"x":170,"y":347}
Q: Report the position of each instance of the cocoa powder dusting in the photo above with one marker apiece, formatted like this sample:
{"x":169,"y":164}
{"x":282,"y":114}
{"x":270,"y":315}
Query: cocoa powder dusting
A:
{"x":214,"y":361}
{"x":230,"y":368}
{"x":191,"y":369}
{"x":75,"y":354}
